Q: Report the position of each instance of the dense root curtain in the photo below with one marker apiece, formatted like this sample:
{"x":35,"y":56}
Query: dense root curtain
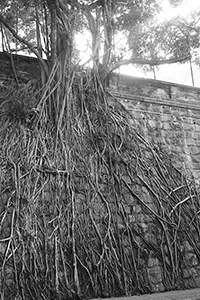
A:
{"x":88,"y":204}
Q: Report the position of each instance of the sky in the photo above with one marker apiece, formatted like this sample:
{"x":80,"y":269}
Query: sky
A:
{"x":186,"y":7}
{"x":178,"y":73}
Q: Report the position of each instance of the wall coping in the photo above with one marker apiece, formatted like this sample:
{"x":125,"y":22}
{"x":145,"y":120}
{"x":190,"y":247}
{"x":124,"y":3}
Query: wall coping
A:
{"x":128,"y":79}
{"x":124,"y":80}
{"x":25,"y":58}
{"x":163,"y":102}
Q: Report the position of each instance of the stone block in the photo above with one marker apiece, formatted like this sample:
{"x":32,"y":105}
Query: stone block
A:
{"x":190,"y":133}
{"x":4,"y":199}
{"x":140,"y":218}
{"x":166,"y":117}
{"x":155,"y":275}
{"x":7,"y":221}
{"x":187,"y":127}
{"x":144,"y":227}
{"x":190,"y":273}
{"x":161,"y":287}
{"x":166,"y":110}
{"x":127,"y":209}
{"x":136,"y":209}
{"x":196,"y":158}
{"x":186,"y":151}
{"x":153,"y":262}
{"x":197,"y":281}
{"x":197,"y":126}
{"x":190,"y":141}
{"x":138,"y":191}
{"x":176,"y":149}
{"x":120,"y":222}
{"x":81,"y":197}
{"x":131,"y":218}
{"x":3,"y":247}
{"x":176,"y":126}
{"x":155,"y":108}
{"x":137,"y":115}
{"x":148,"y":154}
{"x":151,"y":123}
{"x":102,"y":187}
{"x":159,"y":125}
{"x":180,"y":134}
{"x":130,"y":199}
{"x":175,"y":141}
{"x":166,"y":126}
{"x":132,"y":122}
{"x":47,"y":195}
{"x":158,"y":287}
{"x":150,"y":237}
{"x":155,"y":288}
{"x":144,"y":189}
{"x":192,"y":283}
{"x":192,"y":260}
{"x":195,"y":150}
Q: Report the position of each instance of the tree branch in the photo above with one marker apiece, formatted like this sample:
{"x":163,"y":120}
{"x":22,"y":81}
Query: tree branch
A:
{"x":42,"y":62}
{"x":141,"y":61}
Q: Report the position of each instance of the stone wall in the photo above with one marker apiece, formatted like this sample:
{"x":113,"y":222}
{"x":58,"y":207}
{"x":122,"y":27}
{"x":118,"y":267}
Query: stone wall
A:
{"x":167,"y":114}
{"x":20,"y":66}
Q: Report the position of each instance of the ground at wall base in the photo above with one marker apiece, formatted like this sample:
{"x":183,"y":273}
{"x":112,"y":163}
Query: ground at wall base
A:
{"x":193,"y":294}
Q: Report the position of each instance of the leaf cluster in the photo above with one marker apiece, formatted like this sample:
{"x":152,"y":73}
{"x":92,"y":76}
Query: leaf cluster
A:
{"x":135,"y":13}
{"x":174,"y":38}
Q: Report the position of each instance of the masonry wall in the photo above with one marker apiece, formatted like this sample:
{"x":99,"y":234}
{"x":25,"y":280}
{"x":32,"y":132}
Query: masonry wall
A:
{"x":20,"y":67}
{"x":167,"y":114}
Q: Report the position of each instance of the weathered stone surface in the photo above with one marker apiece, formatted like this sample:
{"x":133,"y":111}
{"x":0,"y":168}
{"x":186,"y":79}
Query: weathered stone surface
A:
{"x":168,"y":117}
{"x":195,"y":150}
{"x":26,"y":67}
{"x":187,"y":246}
{"x":173,"y":128}
{"x":169,"y":128}
{"x":153,"y":262}
{"x":191,"y":259}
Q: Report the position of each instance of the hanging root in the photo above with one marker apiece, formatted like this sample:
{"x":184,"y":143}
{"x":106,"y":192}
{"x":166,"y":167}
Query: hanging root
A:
{"x":86,"y":202}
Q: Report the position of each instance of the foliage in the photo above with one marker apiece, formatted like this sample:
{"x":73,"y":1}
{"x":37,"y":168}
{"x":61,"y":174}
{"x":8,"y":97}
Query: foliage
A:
{"x":176,"y":37}
{"x":55,"y":24}
{"x":135,"y":13}
{"x":19,"y":15}
{"x":15,"y":106}
{"x":159,"y":41}
{"x":175,"y":3}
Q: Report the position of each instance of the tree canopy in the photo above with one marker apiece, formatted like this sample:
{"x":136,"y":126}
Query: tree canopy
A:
{"x":47,"y":29}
